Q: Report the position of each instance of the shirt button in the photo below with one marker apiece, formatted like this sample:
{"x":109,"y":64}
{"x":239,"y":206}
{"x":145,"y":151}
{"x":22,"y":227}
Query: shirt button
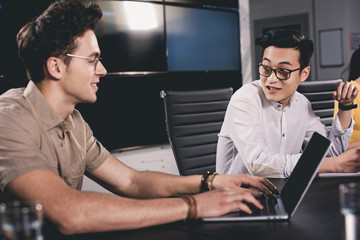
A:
{"x":283,"y":134}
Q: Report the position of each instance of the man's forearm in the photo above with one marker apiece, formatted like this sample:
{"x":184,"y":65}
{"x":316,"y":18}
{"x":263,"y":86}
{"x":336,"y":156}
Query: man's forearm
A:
{"x":344,"y":118}
{"x":73,"y":211}
{"x":156,"y":184}
{"x":103,"y":212}
{"x":125,"y":181}
{"x":328,"y":165}
{"x":355,"y":144}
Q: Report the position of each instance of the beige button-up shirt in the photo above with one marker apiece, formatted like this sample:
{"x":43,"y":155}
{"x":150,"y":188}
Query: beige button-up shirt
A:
{"x":33,"y":136}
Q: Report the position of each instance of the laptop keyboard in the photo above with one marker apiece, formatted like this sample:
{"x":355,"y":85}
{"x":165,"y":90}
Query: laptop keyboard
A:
{"x":268,"y":204}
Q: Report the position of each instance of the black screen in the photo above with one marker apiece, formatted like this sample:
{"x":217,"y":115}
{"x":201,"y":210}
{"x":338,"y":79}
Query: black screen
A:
{"x":131,"y":36}
{"x":202,"y":39}
{"x":304,"y":171}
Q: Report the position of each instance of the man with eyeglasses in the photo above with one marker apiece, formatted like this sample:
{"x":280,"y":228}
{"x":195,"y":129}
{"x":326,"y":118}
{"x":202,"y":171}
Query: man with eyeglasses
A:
{"x":46,"y":147}
{"x":268,"y":123}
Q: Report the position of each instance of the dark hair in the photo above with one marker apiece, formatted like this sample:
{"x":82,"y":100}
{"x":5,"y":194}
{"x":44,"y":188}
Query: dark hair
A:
{"x":354,"y":66}
{"x":285,"y":38}
{"x":53,"y":33}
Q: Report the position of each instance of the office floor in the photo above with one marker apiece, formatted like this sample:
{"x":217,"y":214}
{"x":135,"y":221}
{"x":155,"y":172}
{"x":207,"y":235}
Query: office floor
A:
{"x":154,"y":158}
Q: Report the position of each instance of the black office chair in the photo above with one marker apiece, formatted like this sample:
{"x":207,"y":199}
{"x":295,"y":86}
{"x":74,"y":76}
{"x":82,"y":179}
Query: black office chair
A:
{"x":193,"y":120}
{"x":320,"y":95}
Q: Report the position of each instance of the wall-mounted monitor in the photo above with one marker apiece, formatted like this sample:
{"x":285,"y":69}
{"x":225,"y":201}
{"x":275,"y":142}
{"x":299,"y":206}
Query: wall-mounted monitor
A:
{"x":202,"y":39}
{"x":131,"y":36}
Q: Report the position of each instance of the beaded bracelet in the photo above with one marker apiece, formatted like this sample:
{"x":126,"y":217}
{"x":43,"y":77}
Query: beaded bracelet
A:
{"x":190,"y":201}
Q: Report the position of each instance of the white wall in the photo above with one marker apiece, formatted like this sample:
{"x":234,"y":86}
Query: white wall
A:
{"x":330,"y":14}
{"x":323,"y":14}
{"x":245,"y":41}
{"x":266,"y":9}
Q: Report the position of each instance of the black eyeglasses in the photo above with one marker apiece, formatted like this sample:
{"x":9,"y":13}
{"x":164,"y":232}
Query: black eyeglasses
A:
{"x":280,"y":73}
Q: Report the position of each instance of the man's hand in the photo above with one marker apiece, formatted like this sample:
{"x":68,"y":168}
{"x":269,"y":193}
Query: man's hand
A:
{"x":345,"y":93}
{"x":224,"y":200}
{"x":231,"y":194}
{"x":348,"y":161}
{"x":240,"y":182}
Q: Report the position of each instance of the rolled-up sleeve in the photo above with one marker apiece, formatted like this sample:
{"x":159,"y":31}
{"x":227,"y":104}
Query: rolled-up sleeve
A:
{"x":339,"y":138}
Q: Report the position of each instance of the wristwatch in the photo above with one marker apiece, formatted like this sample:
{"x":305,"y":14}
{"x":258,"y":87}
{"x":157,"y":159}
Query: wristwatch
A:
{"x":347,"y":107}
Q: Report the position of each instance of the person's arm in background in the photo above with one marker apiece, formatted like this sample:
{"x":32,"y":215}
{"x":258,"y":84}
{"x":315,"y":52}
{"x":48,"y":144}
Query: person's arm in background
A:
{"x":345,"y":95}
{"x":349,"y":160}
{"x":353,"y":145}
{"x":355,"y":138}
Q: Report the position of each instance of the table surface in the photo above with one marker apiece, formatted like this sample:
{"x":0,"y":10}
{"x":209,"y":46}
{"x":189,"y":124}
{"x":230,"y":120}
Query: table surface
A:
{"x":318,"y":217}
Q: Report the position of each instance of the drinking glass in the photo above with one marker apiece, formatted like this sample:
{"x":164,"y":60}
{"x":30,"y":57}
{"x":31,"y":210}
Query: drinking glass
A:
{"x":350,"y":207}
{"x":21,"y":220}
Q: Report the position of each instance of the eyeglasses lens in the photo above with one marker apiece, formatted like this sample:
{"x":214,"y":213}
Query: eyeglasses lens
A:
{"x":281,"y":74}
{"x":264,"y":70}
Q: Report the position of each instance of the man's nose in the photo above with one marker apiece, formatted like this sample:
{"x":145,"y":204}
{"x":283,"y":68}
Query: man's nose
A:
{"x":100,"y":69}
{"x":272,"y":78}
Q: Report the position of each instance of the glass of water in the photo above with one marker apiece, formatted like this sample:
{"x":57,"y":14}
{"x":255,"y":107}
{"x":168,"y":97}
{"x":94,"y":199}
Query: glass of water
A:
{"x":21,"y":220}
{"x":350,"y":207}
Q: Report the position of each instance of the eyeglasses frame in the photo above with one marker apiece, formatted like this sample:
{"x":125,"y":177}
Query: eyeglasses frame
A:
{"x":275,"y":69}
{"x":90,"y":59}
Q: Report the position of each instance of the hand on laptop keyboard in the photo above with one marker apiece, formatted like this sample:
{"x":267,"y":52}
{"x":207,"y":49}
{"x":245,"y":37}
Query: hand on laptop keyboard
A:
{"x":242,"y":182}
{"x":268,"y":204}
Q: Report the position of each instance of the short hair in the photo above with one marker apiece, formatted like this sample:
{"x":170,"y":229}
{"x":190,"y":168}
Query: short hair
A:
{"x":53,"y":33}
{"x":354,"y":66}
{"x":289,"y":38}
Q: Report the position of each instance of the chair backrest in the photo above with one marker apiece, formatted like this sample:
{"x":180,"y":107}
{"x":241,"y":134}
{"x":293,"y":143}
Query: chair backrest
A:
{"x":320,"y":95}
{"x":193,"y":121}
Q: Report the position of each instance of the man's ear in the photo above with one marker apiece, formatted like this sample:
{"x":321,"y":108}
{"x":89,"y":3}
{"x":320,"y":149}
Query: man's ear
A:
{"x":305,"y":74}
{"x":55,"y":67}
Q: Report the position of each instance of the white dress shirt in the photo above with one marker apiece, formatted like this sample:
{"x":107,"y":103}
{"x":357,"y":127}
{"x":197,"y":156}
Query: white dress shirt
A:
{"x":260,"y":138}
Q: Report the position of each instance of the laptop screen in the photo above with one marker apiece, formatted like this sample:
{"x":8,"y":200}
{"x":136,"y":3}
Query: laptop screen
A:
{"x":304,"y":171}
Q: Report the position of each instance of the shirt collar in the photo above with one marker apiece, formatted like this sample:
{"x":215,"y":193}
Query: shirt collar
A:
{"x":278,"y":106}
{"x":45,"y":114}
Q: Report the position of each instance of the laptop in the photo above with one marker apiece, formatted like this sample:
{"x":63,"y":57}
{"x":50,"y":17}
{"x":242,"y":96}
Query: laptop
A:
{"x":284,"y":206}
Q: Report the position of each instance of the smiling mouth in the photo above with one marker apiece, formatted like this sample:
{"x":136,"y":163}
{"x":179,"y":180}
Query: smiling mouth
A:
{"x":272,"y":88}
{"x":94,"y":85}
